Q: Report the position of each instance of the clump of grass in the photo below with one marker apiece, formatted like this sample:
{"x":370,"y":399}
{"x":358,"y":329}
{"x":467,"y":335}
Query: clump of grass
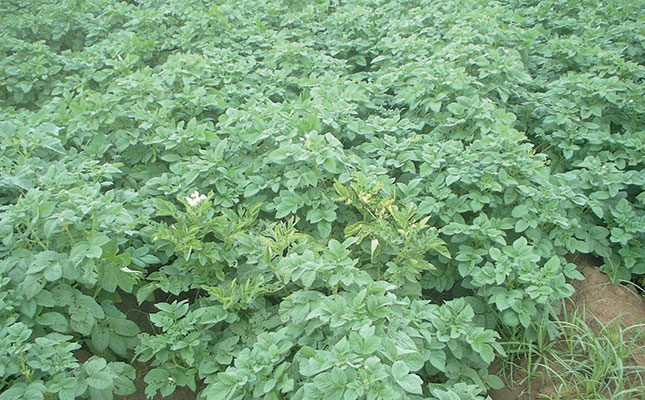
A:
{"x":571,"y":360}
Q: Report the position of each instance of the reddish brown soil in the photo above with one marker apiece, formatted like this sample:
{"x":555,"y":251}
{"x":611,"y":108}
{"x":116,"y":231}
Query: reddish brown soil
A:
{"x":604,"y":304}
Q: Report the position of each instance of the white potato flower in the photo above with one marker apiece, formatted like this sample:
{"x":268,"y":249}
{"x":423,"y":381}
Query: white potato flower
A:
{"x":195,"y":198}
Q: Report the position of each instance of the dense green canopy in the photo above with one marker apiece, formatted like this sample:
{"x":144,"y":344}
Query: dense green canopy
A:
{"x":322,"y":199}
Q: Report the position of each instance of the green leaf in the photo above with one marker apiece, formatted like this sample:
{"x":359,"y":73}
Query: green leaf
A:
{"x":164,"y":208}
{"x":101,"y":394}
{"x":54,"y":272}
{"x":94,"y":252}
{"x":288,"y":204}
{"x":324,"y":229}
{"x":31,"y":286}
{"x":399,"y":370}
{"x":100,"y":76}
{"x":56,"y":321}
{"x":100,"y":338}
{"x":521,"y":225}
{"x":78,"y":253}
{"x":553,"y":263}
{"x":308,"y":278}
{"x":411,"y":384}
{"x":251,"y":189}
{"x":315,"y":216}
{"x":94,"y":364}
{"x":35,"y":391}
{"x":374,"y":249}
{"x":124,"y":327}
{"x":438,"y":360}
{"x":520,"y":211}
{"x":338,"y":377}
{"x":494,"y":382}
{"x":330,"y":165}
{"x":450,"y":179}
{"x":118,"y":346}
{"x":445,"y":395}
{"x":145,"y":291}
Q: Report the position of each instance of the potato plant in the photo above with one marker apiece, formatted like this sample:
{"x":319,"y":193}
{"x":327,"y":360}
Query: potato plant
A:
{"x":320,"y":200}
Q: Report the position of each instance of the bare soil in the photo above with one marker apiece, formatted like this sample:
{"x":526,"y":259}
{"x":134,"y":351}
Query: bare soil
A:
{"x":604,"y":304}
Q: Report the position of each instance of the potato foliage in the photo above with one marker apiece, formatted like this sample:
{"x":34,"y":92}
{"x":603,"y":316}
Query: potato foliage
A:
{"x":320,"y":199}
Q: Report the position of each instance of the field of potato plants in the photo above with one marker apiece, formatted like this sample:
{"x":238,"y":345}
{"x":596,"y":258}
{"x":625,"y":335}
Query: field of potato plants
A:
{"x":320,"y":200}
